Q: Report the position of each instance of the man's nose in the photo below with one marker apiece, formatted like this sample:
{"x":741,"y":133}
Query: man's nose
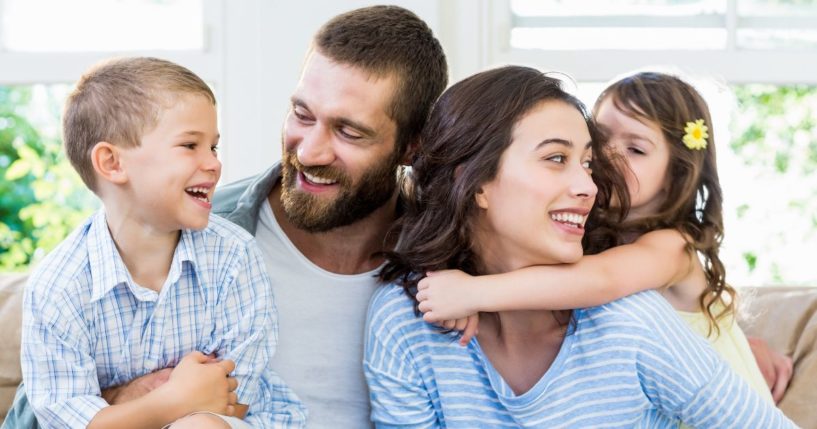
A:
{"x":315,"y":148}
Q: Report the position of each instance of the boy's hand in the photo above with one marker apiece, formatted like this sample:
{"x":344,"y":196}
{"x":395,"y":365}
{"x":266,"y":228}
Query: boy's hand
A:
{"x":447,"y":295}
{"x":201,"y":384}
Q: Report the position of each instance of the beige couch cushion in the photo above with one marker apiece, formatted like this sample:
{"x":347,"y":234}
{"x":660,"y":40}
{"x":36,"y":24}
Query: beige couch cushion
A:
{"x":786,"y":317}
{"x":11,"y":302}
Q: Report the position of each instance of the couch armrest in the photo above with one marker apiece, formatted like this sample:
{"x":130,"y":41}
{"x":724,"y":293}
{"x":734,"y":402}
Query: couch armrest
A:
{"x":786,"y":317}
{"x":11,"y":303}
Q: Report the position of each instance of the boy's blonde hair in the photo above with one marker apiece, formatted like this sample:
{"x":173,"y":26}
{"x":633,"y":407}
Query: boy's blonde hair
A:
{"x":118,"y":101}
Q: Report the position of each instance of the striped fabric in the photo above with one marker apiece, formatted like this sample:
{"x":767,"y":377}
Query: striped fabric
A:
{"x":87,"y":326}
{"x":628,"y":364}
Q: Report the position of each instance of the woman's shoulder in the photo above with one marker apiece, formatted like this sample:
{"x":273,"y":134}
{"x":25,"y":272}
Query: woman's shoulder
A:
{"x":391,"y":308}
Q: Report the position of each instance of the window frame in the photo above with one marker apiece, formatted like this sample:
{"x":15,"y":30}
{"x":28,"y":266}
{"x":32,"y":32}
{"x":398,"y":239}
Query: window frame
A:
{"x":731,"y":64}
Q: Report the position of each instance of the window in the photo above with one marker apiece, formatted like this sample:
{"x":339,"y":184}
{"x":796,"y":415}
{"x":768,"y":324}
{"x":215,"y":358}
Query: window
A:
{"x":41,"y":54}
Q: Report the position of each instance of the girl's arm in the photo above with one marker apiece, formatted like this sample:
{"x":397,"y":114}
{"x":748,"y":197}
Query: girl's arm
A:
{"x":657,"y":259}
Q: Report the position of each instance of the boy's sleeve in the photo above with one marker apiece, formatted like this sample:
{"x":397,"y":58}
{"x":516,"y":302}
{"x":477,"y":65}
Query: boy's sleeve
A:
{"x":687,"y":380}
{"x":59,"y":371}
{"x":398,"y":395}
{"x":249,"y":335}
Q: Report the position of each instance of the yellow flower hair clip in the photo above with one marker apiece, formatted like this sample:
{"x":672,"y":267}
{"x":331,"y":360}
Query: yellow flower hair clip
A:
{"x":696,"y":135}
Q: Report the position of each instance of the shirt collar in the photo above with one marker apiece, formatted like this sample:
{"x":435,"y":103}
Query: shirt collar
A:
{"x":108,"y":270}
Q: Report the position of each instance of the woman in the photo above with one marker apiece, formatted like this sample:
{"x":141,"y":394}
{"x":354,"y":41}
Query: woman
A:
{"x":503,"y":181}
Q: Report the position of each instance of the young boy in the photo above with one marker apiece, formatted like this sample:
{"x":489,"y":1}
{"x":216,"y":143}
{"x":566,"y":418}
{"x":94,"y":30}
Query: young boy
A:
{"x":145,"y":283}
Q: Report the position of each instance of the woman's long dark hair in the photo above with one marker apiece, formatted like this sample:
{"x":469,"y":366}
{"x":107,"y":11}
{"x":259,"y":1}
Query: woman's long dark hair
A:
{"x":460,"y":149}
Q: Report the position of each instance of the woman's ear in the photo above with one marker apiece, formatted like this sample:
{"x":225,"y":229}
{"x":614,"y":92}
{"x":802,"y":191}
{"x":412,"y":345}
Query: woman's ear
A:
{"x":105,"y":157}
{"x":482,"y":198}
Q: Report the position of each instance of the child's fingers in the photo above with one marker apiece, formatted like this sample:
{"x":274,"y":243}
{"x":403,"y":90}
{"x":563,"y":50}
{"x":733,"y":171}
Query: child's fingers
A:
{"x":227,"y":364}
{"x":424,"y":306}
{"x":784,"y":371}
{"x":232,"y":384}
{"x":461,"y":324}
{"x":470,"y":330}
{"x":430,"y":317}
{"x":422,"y":295}
{"x":449,"y":324}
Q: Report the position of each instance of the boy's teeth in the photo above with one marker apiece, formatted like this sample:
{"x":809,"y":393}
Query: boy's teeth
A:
{"x":318,"y":180}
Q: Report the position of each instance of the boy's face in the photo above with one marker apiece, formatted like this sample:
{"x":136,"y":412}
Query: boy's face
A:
{"x":339,"y":150}
{"x":173,"y":173}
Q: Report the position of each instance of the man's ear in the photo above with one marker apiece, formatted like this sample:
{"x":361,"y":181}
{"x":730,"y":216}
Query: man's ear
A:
{"x":408,"y":153}
{"x":105,"y":157}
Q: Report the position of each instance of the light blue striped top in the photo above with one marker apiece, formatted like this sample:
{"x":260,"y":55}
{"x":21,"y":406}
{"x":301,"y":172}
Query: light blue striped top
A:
{"x":87,"y":326}
{"x":631,"y":363}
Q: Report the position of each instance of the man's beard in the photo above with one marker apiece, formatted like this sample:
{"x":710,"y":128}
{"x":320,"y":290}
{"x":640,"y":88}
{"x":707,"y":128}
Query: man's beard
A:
{"x":354,"y":202}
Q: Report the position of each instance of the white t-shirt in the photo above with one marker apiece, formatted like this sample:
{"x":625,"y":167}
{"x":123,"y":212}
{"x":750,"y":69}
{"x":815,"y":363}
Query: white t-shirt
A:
{"x":321,"y":323}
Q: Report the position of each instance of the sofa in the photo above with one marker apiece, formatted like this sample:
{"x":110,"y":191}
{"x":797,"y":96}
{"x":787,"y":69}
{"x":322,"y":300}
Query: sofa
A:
{"x":786,"y":317}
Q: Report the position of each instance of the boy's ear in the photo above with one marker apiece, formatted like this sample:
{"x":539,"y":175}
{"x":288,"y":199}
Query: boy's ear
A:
{"x":105,"y":158}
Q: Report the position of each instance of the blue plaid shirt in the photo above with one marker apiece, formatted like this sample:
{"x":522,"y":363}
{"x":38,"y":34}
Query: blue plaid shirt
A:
{"x":87,"y":326}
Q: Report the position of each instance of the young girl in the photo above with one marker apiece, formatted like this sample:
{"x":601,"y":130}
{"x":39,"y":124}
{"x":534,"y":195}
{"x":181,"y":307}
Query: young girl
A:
{"x":669,"y":240}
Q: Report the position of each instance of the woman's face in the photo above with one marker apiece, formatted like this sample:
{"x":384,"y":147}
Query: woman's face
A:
{"x":534,"y":211}
{"x":646,"y":151}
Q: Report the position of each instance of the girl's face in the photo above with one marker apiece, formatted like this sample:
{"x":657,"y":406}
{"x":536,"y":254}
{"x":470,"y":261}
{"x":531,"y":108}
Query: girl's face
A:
{"x":646,"y":151}
{"x":533,"y":211}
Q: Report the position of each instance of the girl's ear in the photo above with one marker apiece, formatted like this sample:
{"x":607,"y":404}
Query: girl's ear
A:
{"x":105,"y":157}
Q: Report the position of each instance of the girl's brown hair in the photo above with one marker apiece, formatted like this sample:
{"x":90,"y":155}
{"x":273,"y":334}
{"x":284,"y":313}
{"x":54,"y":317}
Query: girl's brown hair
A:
{"x":469,"y":129}
{"x":693,"y":203}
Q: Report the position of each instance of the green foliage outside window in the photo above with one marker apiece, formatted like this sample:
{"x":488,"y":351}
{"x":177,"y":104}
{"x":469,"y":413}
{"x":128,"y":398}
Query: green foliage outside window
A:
{"x":775,"y":135}
{"x":41,"y":197}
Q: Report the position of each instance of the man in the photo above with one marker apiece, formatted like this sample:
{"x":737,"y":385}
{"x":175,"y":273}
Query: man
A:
{"x":322,"y":215}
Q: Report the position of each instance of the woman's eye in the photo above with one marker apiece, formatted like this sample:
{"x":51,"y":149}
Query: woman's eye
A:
{"x":189,"y":145}
{"x":557,"y":158}
{"x":588,"y":164}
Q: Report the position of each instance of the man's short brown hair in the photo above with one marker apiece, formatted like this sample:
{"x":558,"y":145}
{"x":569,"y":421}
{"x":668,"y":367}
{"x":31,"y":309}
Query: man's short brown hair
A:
{"x":118,"y":101}
{"x":390,"y":40}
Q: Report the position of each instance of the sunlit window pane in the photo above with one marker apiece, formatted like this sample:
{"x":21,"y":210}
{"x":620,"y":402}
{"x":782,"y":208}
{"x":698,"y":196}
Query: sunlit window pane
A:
{"x":615,"y":7}
{"x":618,"y":38}
{"x":785,"y":7}
{"x":102,"y":25}
{"x":777,"y":39}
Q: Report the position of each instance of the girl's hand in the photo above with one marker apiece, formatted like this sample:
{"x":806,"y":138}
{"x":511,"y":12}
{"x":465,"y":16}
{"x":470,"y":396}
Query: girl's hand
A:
{"x":467,"y":325}
{"x":447,"y":296}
